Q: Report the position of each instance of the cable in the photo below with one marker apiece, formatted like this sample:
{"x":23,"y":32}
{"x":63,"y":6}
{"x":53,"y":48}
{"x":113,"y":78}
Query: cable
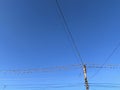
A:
{"x":20,"y":86}
{"x":47,"y":84}
{"x":58,"y":84}
{"x":110,"y":66}
{"x":107,"y":59}
{"x":64,"y":86}
{"x":106,"y":86}
{"x":47,"y":69}
{"x":59,"y":68}
{"x":69,"y":32}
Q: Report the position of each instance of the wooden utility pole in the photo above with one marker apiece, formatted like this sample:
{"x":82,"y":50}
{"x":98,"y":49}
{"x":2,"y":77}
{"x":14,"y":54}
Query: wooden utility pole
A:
{"x":85,"y":77}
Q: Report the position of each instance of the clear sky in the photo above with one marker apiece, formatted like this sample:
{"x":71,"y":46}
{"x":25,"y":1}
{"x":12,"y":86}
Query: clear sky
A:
{"x":32,"y":35}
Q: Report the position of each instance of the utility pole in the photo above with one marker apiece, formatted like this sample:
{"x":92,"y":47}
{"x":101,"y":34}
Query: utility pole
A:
{"x":85,"y":77}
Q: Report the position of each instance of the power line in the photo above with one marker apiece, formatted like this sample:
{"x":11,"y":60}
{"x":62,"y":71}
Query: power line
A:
{"x":60,"y":68}
{"x":107,"y":59}
{"x":47,"y":69}
{"x":47,"y":84}
{"x":20,"y":86}
{"x":106,"y":86}
{"x":74,"y":45}
{"x":67,"y":29}
{"x":59,"y":84}
{"x":108,"y":66}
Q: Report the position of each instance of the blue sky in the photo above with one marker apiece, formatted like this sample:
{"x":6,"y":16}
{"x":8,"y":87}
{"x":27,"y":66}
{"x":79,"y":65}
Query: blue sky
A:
{"x":32,"y":35}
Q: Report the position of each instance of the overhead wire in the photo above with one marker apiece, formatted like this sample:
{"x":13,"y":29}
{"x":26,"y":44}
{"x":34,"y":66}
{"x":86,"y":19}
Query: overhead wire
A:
{"x":47,"y":69}
{"x":60,"y":68}
{"x":75,"y":46}
{"x":107,"y":59}
{"x":41,"y":85}
{"x":67,"y":29}
{"x":104,"y":84}
{"x":107,"y":85}
{"x":108,"y":66}
{"x":59,"y":84}
{"x":21,"y":86}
